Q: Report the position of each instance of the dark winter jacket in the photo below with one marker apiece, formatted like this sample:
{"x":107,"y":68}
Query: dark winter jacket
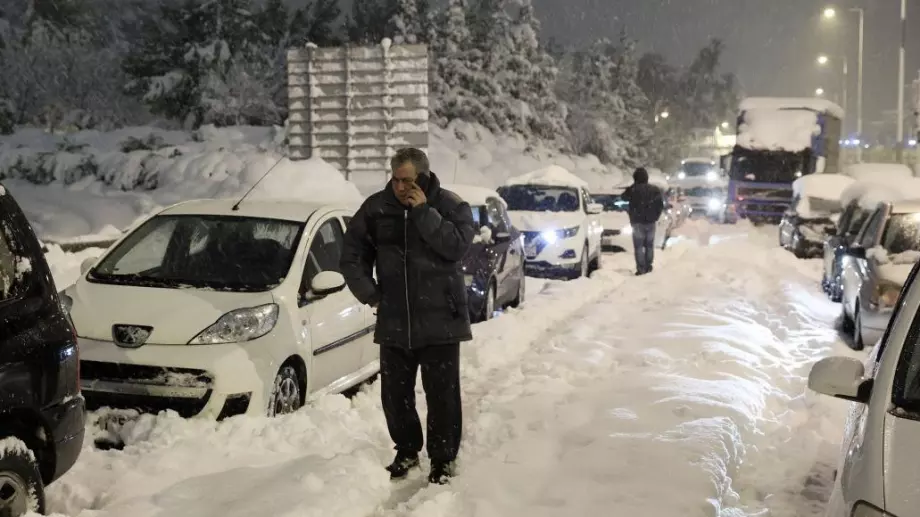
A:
{"x":646,"y":201}
{"x":419,"y":293}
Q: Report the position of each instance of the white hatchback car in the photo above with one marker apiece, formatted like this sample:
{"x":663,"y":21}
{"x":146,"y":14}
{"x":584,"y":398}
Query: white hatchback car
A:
{"x":213,"y":311}
{"x":878,"y":473}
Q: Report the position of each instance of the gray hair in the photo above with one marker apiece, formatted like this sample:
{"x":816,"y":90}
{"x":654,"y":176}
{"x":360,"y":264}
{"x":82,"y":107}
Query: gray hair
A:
{"x":416,"y":157}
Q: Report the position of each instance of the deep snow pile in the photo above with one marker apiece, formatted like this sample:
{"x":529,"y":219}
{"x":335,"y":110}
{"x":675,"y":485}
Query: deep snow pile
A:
{"x":582,"y":403}
{"x":778,"y":130}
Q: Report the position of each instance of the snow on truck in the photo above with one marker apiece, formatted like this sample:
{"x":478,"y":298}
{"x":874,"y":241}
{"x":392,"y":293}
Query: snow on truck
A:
{"x":779,"y":140}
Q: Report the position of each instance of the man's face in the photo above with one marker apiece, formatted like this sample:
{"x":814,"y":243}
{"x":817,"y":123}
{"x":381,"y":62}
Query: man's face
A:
{"x":404,"y":178}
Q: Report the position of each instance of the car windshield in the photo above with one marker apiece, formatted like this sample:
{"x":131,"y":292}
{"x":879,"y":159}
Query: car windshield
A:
{"x":902,"y":233}
{"x":695,"y":169}
{"x":611,"y":202}
{"x":765,"y":166}
{"x":704,"y":192}
{"x":537,"y":198}
{"x":203,"y":251}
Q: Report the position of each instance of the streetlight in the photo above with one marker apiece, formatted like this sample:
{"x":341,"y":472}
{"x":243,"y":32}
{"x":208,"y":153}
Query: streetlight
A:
{"x":822,"y":60}
{"x":665,"y":114}
{"x":819,"y":92}
{"x":724,"y":125}
{"x":831,"y":13}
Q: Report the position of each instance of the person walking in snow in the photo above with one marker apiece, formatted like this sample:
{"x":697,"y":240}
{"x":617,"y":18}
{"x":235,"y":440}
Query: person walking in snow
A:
{"x":646,"y":204}
{"x":415,"y":234}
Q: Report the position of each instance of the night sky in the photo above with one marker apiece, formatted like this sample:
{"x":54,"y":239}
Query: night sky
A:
{"x":771,"y":44}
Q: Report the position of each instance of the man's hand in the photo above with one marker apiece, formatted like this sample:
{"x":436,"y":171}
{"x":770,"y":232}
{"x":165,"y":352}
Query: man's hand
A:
{"x":416,"y":197}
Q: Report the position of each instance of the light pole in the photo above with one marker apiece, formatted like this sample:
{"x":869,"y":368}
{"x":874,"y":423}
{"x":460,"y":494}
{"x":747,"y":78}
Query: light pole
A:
{"x":831,"y":13}
{"x":900,"y":148}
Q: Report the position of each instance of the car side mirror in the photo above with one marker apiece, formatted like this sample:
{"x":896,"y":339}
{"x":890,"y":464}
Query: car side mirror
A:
{"x":87,"y":264}
{"x":595,"y":208}
{"x":327,"y":282}
{"x":840,"y":377}
{"x":857,"y":252}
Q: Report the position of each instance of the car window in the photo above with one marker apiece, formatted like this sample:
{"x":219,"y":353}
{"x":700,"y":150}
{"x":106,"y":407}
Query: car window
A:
{"x":11,"y":268}
{"x":149,"y":252}
{"x":870,"y":229}
{"x":325,"y":250}
{"x":906,"y":388}
{"x":494,"y":211}
{"x":857,"y":220}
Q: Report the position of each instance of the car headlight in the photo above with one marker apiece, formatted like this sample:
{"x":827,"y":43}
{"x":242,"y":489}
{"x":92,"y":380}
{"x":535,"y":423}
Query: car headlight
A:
{"x":864,"y":509}
{"x":239,"y":326}
{"x":551,"y":236}
{"x":885,"y":295}
{"x":715,"y":204}
{"x":711,"y":176}
{"x":468,"y":280}
{"x":681,"y":175}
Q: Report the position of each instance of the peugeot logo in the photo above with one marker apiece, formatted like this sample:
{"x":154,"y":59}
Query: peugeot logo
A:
{"x":130,"y":336}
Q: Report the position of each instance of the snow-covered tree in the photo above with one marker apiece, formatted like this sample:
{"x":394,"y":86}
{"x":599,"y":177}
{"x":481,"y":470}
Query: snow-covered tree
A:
{"x":456,"y":64}
{"x":708,"y":97}
{"x":369,"y":21}
{"x":409,"y":23}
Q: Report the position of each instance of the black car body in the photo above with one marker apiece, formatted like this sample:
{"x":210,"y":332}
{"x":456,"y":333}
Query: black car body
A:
{"x":804,"y":231}
{"x":41,"y":410}
{"x":835,"y":247}
{"x":494,"y":266}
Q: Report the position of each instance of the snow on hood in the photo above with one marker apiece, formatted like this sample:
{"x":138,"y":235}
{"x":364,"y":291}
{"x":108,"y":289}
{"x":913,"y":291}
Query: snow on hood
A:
{"x":176,"y":315}
{"x":820,"y":187}
{"x":542,"y":221}
{"x":778,"y":130}
{"x":894,"y":268}
{"x":552,"y":176}
{"x":888,"y":189}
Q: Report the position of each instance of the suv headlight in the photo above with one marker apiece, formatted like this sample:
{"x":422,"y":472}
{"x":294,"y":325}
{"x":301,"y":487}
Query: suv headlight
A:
{"x":468,"y":280}
{"x":885,"y":295}
{"x":864,"y":509}
{"x":239,"y":326}
{"x":551,"y":236}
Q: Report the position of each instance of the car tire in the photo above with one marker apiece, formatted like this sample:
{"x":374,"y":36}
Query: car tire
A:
{"x":858,"y":342}
{"x":286,"y":396}
{"x":585,"y":267}
{"x":798,"y":248}
{"x":21,"y":487}
{"x":488,"y":310}
{"x":836,"y":290}
{"x":846,"y":323}
{"x":521,"y":294}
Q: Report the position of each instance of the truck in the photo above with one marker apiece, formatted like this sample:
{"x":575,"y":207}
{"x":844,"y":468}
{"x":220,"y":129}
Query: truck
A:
{"x":778,"y":141}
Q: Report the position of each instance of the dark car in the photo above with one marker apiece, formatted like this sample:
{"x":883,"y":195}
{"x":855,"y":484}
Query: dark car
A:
{"x":851,"y":221}
{"x":41,"y":410}
{"x":807,"y":223}
{"x":875,"y":268}
{"x":494,"y":266}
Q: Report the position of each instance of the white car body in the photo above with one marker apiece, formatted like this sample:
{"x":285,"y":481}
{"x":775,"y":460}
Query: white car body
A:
{"x":326,"y":337}
{"x":560,"y":242}
{"x":877,"y":472}
{"x":617,"y":233}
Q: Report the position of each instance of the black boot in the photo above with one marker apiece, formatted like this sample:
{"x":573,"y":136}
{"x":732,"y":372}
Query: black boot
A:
{"x":402,"y":464}
{"x":441,"y":472}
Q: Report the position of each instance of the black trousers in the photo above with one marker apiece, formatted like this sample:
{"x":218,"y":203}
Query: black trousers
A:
{"x":441,"y":380}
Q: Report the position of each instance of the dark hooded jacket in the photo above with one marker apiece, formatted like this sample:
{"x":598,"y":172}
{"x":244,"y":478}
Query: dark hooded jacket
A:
{"x":419,"y":290}
{"x":646,"y":201}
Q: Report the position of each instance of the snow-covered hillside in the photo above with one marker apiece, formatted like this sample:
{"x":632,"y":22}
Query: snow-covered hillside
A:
{"x":94,"y":183}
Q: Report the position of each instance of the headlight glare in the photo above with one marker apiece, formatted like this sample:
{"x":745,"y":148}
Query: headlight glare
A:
{"x":551,"y":236}
{"x":468,"y":280}
{"x":239,"y":326}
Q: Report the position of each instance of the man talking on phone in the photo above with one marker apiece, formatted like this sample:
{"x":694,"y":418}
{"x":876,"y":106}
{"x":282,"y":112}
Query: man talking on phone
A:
{"x":414,"y":234}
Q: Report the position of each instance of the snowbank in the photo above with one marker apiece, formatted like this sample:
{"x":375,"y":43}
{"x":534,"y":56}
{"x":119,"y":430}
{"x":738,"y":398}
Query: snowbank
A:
{"x":776,"y":103}
{"x":551,"y":176}
{"x":881,"y":189}
{"x":825,"y":187}
{"x":92,"y":185}
{"x":786,"y":130}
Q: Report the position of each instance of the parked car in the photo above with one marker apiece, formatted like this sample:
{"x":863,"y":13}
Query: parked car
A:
{"x":559,"y":220}
{"x":877,"y":470}
{"x":494,"y":266}
{"x":617,"y":233}
{"x":812,"y":216}
{"x":215,"y":311}
{"x":41,"y":411}
{"x":851,"y":220}
{"x":876,"y":266}
{"x":699,"y":171}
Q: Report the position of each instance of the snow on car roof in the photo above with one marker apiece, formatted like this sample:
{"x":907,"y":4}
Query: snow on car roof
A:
{"x":552,"y":176}
{"x":906,"y":206}
{"x":472,"y":194}
{"x":822,"y":186}
{"x":285,"y":210}
{"x":778,"y":130}
{"x":878,"y":171}
{"x":778,"y":103}
{"x":882,"y":189}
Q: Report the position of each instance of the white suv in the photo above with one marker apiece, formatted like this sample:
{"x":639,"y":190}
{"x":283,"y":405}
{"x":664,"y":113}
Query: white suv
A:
{"x":560,"y":224}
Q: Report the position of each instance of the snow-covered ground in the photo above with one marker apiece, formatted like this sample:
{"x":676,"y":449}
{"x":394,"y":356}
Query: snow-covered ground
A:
{"x":682,"y":392}
{"x":91,"y":185}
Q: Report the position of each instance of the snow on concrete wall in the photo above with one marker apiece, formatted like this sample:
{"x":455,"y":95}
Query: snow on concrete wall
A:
{"x":354,"y":106}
